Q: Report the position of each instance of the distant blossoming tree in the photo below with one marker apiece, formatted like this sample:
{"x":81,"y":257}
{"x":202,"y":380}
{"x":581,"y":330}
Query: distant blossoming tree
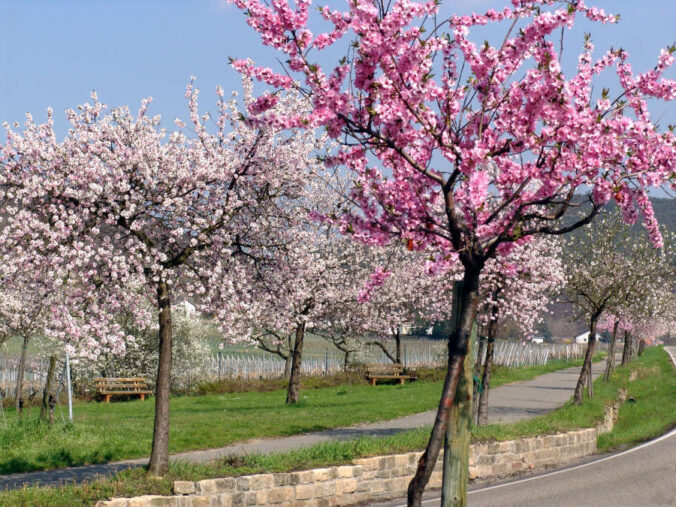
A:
{"x":518,"y":287}
{"x":610,"y":271}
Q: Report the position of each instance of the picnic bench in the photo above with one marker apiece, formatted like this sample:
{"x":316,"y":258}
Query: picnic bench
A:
{"x":132,"y":386}
{"x":393,"y":371}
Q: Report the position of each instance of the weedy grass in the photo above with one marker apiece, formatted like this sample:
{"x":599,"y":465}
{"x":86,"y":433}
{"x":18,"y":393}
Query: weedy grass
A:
{"x":133,"y":482}
{"x":652,"y":412}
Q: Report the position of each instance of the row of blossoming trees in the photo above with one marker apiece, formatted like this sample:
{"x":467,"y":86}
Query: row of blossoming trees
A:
{"x":470,"y":156}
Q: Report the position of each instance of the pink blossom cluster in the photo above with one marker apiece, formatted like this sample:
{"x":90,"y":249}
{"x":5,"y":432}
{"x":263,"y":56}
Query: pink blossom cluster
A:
{"x":496,"y":133}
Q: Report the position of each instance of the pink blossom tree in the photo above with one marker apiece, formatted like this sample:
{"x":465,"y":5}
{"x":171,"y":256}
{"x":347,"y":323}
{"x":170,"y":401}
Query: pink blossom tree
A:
{"x":468,"y":149}
{"x":315,"y":274}
{"x":409,"y":294}
{"x":609,"y":270}
{"x":121,"y":201}
{"x":24,"y":312}
{"x":35,"y":306}
{"x":519,"y":287}
{"x":615,"y":322}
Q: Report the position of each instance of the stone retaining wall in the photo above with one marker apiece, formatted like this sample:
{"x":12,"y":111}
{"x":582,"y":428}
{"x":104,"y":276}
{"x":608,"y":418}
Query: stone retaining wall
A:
{"x":370,"y":479}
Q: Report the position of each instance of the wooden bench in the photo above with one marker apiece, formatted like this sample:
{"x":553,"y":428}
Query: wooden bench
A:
{"x":375,"y":372}
{"x":132,"y":386}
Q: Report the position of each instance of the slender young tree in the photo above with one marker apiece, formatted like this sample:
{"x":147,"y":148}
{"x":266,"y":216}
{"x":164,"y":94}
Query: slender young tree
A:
{"x":120,"y":201}
{"x":462,"y":148}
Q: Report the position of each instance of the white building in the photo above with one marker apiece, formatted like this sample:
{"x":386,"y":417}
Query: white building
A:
{"x":583,"y":338}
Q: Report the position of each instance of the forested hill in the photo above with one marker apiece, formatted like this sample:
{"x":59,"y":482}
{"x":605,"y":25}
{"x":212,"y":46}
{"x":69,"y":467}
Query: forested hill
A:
{"x":665,"y":211}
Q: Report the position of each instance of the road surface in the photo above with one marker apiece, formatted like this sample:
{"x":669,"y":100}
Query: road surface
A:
{"x":642,"y":476}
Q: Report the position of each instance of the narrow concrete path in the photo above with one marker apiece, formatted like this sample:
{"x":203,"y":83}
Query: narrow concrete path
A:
{"x":508,"y":403}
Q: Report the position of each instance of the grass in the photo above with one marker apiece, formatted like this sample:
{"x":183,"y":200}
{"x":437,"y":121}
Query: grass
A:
{"x":101,"y":432}
{"x":134,"y":482}
{"x":652,"y":413}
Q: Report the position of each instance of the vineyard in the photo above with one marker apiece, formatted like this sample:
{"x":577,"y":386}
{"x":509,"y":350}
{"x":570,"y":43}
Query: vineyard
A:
{"x":251,"y":363}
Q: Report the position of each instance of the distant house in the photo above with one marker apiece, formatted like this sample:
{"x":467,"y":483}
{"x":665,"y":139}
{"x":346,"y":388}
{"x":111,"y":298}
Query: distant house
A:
{"x":538,"y":339}
{"x":582,"y":338}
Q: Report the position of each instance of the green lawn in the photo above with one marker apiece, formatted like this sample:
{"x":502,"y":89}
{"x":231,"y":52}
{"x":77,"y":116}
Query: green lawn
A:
{"x":120,"y":430}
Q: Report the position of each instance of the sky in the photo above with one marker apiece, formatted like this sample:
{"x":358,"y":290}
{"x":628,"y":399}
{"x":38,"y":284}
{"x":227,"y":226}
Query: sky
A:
{"x":54,"y":53}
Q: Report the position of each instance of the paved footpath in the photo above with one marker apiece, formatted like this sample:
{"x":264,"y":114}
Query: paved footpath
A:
{"x":508,"y":403}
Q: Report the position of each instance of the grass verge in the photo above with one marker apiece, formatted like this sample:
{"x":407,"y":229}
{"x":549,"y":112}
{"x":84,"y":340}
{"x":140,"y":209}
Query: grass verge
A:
{"x":652,"y":413}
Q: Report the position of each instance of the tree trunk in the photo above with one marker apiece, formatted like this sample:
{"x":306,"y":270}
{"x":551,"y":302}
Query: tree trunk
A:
{"x":18,"y":395}
{"x":293,"y":391}
{"x":626,"y":351}
{"x":456,"y":446}
{"x":44,"y":411}
{"x":610,"y":362}
{"x":287,"y":367}
{"x":482,"y":417}
{"x":457,"y":350}
{"x":641,"y":346}
{"x":159,"y":456}
{"x":477,"y":375}
{"x":590,"y":380}
{"x":586,"y":366}
{"x":397,"y":340}
{"x":288,"y":358}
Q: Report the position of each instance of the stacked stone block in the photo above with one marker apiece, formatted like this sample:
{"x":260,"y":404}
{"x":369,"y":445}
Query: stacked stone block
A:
{"x":368,"y":479}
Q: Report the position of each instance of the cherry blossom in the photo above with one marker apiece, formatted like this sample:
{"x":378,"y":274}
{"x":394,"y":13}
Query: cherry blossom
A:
{"x":466,"y":149}
{"x":132,"y":213}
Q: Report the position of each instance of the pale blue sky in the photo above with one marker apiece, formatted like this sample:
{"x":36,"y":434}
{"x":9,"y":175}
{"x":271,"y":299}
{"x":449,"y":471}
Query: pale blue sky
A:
{"x":53,"y":53}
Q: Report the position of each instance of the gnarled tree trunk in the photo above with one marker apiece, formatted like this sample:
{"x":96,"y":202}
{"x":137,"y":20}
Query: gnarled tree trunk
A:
{"x":159,"y":456}
{"x":586,"y":366}
{"x":610,"y":362}
{"x":293,"y":392}
{"x":458,"y":345}
{"x":18,"y":394}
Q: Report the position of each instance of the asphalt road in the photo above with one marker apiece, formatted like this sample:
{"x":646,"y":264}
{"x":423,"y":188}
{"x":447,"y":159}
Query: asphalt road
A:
{"x":520,"y":400}
{"x":642,"y":476}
